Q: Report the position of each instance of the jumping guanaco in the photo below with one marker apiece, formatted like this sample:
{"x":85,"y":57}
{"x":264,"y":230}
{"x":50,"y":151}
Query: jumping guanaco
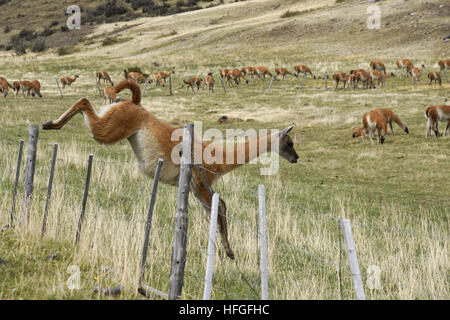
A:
{"x":434,"y":114}
{"x":151,"y":139}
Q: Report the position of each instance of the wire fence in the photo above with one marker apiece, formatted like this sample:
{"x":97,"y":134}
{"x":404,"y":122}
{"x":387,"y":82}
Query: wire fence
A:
{"x":239,"y":273}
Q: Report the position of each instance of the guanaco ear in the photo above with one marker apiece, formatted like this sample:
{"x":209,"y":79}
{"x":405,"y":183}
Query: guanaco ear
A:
{"x":287,"y":130}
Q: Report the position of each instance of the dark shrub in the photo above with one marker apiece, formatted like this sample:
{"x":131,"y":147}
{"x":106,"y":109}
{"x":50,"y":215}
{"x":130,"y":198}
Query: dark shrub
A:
{"x":38,"y":45}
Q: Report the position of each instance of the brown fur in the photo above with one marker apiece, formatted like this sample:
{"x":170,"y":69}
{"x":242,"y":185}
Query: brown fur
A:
{"x":194,"y":81}
{"x":4,"y":85}
{"x":68,"y":80}
{"x":33,"y":87}
{"x":249,"y":70}
{"x":374,"y":120}
{"x":283,"y":72}
{"x":235,"y":75}
{"x":105,"y":76}
{"x":150,"y":139}
{"x":136,"y":76}
{"x":339,"y":77}
{"x":436,"y":76}
{"x":434,"y":114}
{"x":378,"y":65}
{"x":261,"y":72}
{"x":300,"y":68}
{"x":405,"y":64}
{"x":209,"y":81}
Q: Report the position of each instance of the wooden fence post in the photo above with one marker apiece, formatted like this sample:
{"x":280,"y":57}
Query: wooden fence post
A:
{"x":353,"y":260}
{"x":170,"y":85}
{"x":223,"y":86}
{"x":21,"y":88}
{"x":33,"y":135}
{"x":211,"y":247}
{"x":98,"y":87}
{"x":85,"y":195}
{"x":263,"y":242}
{"x":326,"y":80}
{"x":181,"y":217}
{"x":303,"y":80}
{"x":60,"y":91}
{"x":16,"y":183}
{"x":145,"y":85}
{"x":270,"y":84}
{"x":49,"y":189}
{"x":148,"y":223}
{"x":192,"y":86}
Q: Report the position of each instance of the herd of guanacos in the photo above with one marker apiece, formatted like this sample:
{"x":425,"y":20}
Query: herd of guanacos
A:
{"x":374,"y":120}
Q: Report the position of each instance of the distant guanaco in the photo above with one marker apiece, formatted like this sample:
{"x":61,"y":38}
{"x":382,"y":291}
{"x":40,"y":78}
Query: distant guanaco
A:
{"x":416,"y":73}
{"x":283,"y":72}
{"x":235,"y":75}
{"x":261,"y":72}
{"x":193,"y":81}
{"x":223,"y":73}
{"x":365,"y":77}
{"x":339,"y":77}
{"x":110,"y":94}
{"x":378,"y":65}
{"x":249,"y":70}
{"x":33,"y":87}
{"x":390,"y":116}
{"x":68,"y":80}
{"x":300,"y":68}
{"x":405,"y":64}
{"x":4,"y":85}
{"x":436,"y":76}
{"x":209,"y":81}
{"x":434,"y":114}
{"x":444,"y":65}
{"x":105,"y":76}
{"x":136,"y":76}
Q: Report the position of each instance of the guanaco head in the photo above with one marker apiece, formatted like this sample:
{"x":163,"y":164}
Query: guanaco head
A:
{"x":77,"y":76}
{"x":406,"y":129}
{"x":286,"y":146}
{"x":357,"y":132}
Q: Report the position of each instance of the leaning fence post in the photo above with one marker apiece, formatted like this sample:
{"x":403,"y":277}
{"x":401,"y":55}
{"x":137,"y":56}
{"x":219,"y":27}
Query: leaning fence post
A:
{"x":192,"y":86}
{"x":326,"y":80}
{"x":49,"y":190}
{"x":170,"y":85}
{"x":145,"y":84}
{"x":60,"y":91}
{"x":181,"y":217}
{"x":16,"y":183}
{"x":223,"y":86}
{"x":353,"y":260}
{"x":85,"y":195}
{"x":21,"y":88}
{"x":30,"y":167}
{"x":263,"y":242}
{"x":148,"y":224}
{"x":98,"y":87}
{"x":270,"y":84}
{"x":211,"y":247}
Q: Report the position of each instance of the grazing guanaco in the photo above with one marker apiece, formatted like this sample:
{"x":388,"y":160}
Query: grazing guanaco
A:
{"x":193,"y":81}
{"x":434,"y":114}
{"x":105,"y":76}
{"x":158,"y":79}
{"x":300,"y":68}
{"x":350,"y":80}
{"x":4,"y":85}
{"x":405,"y":64}
{"x":436,"y":76}
{"x":374,"y":120}
{"x":339,"y":77}
{"x":261,"y":72}
{"x":33,"y":87}
{"x":68,"y":80}
{"x":378,"y":65}
{"x":358,"y":132}
{"x":444,"y":64}
{"x":136,"y":76}
{"x":151,"y":138}
{"x":249,"y":70}
{"x":164,"y":75}
{"x":390,"y":116}
{"x":283,"y":72}
{"x":223,"y":73}
{"x":209,"y":81}
{"x":235,"y":75}
{"x":416,"y":73}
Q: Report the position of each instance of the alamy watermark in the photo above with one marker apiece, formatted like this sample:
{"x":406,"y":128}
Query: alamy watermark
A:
{"x":374,"y":18}
{"x":74,"y":20}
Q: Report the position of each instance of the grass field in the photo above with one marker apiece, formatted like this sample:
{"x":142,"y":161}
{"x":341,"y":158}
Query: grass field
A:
{"x":396,"y":194}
